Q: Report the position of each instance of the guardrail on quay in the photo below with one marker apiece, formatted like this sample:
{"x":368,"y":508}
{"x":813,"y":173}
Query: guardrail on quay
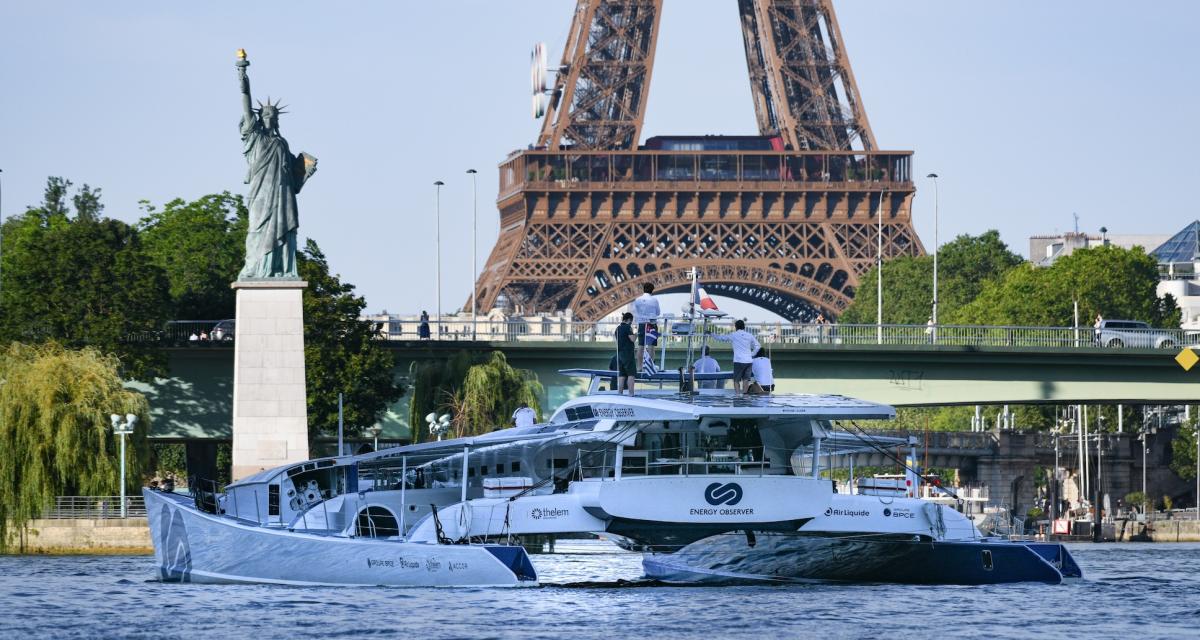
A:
{"x":94,"y":508}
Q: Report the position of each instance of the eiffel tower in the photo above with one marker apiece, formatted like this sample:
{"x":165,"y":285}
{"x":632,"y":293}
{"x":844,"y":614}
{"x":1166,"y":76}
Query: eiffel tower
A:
{"x":788,"y":220}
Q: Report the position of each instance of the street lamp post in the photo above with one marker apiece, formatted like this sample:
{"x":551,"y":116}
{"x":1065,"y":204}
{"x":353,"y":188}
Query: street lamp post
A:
{"x":474,"y":256}
{"x":375,"y":430}
{"x":879,"y":274}
{"x":438,"y":240}
{"x":123,"y":429}
{"x":934,"y":317}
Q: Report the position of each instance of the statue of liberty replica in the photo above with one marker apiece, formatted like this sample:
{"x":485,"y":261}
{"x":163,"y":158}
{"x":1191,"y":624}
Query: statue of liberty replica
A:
{"x":270,"y":423}
{"x":275,"y":177}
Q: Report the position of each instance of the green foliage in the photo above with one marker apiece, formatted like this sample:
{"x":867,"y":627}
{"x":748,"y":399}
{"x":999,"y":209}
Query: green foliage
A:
{"x":341,"y":354}
{"x":1110,"y":281}
{"x":965,"y":265}
{"x":83,"y":282}
{"x":170,"y":459}
{"x":1183,"y":452}
{"x":435,"y":383}
{"x":491,"y":393}
{"x":55,"y":436}
{"x":1167,"y":503}
{"x":1136,"y":499}
{"x":958,"y":418}
{"x":480,"y":391}
{"x":200,"y":245}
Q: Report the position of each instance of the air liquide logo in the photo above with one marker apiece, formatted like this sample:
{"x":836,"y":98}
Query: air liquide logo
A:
{"x":718,"y":493}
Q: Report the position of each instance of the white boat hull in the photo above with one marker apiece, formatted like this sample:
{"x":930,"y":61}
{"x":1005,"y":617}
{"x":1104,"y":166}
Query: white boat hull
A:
{"x":193,"y":546}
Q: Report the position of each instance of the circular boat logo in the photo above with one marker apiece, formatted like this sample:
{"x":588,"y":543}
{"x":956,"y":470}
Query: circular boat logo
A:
{"x":887,"y":513}
{"x":176,"y":552}
{"x":718,"y":493}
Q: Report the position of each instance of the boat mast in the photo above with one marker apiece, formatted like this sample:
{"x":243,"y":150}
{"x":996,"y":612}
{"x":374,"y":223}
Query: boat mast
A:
{"x":688,"y":369}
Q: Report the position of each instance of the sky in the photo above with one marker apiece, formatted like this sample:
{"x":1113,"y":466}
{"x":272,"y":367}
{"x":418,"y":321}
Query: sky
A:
{"x":1029,"y":111}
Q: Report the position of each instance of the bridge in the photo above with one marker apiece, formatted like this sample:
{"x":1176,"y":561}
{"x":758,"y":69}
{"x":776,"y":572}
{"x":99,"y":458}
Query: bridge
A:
{"x":902,"y":365}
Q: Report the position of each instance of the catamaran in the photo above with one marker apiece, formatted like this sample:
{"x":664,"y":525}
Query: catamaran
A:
{"x":709,"y":485}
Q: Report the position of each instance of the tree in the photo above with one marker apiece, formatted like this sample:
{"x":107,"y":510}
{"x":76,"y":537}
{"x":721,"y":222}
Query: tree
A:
{"x":435,"y":386}
{"x":200,"y":245}
{"x":341,"y":354}
{"x":55,"y":437}
{"x":82,"y":281}
{"x":965,"y":265}
{"x":1108,"y":280}
{"x":1183,"y":452}
{"x":491,"y":393}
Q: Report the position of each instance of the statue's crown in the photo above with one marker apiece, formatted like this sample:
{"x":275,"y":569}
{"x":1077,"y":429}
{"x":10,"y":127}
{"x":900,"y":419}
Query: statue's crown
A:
{"x":270,"y":106}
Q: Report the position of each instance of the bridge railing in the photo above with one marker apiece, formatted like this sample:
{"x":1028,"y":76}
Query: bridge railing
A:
{"x":560,"y":329}
{"x":556,"y":329}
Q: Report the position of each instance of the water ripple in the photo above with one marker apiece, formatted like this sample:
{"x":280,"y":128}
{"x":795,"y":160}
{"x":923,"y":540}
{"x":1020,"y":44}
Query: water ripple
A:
{"x":594,"y":591}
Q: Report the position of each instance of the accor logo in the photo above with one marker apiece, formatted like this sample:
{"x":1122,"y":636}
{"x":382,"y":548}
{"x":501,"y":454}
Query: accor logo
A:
{"x":718,"y":493}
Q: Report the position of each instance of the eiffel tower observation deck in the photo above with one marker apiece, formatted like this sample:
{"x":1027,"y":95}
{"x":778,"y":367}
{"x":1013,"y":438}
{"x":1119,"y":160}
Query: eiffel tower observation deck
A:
{"x":788,"y":220}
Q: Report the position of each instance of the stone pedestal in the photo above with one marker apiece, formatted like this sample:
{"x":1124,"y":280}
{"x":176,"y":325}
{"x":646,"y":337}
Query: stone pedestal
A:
{"x":270,"y":416}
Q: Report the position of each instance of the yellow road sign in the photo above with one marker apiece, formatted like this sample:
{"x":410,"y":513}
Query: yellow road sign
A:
{"x":1187,"y":359}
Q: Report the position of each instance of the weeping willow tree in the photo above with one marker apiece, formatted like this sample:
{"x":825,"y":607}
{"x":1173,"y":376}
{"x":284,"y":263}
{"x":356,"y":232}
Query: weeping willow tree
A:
{"x":491,"y":393}
{"x":55,"y":432}
{"x":434,"y":383}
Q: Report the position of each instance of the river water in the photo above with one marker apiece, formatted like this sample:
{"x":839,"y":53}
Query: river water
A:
{"x":590,"y":591}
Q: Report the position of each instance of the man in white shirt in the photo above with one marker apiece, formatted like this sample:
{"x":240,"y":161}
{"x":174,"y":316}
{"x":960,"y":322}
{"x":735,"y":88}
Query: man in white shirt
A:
{"x":708,"y":364}
{"x":745,"y":345}
{"x":645,"y":311}
{"x":524,"y":416}
{"x":764,"y":375}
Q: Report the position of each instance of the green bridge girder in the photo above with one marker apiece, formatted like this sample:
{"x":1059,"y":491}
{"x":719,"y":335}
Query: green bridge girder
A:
{"x":196,"y":401}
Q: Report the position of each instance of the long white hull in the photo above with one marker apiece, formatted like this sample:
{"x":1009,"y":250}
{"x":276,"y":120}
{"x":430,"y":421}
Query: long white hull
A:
{"x":193,"y":546}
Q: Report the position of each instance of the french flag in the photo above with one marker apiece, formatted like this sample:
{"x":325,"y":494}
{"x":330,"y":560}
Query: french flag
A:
{"x":651,"y":334}
{"x":704,"y":300}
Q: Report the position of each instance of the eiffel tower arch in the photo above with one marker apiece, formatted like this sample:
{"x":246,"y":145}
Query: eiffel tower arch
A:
{"x":788,"y":220}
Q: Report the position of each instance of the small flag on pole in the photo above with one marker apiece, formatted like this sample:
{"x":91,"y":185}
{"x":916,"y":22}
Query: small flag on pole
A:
{"x":703,"y":300}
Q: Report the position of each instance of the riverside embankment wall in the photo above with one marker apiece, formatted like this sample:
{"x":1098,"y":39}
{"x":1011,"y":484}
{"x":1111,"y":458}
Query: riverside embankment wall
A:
{"x":84,"y":536}
{"x":1173,"y":530}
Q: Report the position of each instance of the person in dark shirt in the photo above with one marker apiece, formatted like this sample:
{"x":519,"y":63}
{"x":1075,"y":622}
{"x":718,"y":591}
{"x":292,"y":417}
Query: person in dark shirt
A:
{"x":626,"y":366}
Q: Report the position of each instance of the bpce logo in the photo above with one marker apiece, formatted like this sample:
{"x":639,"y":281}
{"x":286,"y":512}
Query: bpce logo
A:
{"x":718,"y":493}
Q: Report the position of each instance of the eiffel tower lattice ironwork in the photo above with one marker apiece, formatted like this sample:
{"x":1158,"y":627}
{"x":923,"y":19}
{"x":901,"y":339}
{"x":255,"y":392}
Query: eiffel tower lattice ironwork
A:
{"x":788,"y":220}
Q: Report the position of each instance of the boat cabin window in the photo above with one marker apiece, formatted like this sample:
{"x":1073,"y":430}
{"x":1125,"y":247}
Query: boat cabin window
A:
{"x":696,"y":447}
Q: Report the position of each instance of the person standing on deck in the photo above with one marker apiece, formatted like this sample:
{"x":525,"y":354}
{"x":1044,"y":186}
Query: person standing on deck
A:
{"x":524,"y":416}
{"x":708,"y":364}
{"x":626,"y":365}
{"x":645,"y":312}
{"x":745,"y":345}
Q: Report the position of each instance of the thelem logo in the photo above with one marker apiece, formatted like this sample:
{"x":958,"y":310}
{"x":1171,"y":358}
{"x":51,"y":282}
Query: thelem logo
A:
{"x":718,"y":493}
